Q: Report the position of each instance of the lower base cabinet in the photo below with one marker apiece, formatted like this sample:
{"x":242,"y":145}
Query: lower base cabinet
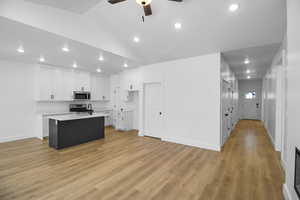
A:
{"x":68,"y":133}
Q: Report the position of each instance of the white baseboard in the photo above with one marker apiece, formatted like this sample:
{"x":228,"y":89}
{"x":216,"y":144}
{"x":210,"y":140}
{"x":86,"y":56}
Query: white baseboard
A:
{"x":193,"y":143}
{"x":268,"y":133}
{"x":284,"y":165}
{"x":140,"y":133}
{"x":286,"y":193}
{"x":13,"y":138}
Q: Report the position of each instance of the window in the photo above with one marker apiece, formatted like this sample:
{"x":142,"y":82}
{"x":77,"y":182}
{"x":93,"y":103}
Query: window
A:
{"x":250,"y":95}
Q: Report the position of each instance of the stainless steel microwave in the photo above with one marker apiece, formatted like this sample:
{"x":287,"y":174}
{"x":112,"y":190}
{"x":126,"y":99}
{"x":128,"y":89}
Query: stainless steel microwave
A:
{"x":80,"y":95}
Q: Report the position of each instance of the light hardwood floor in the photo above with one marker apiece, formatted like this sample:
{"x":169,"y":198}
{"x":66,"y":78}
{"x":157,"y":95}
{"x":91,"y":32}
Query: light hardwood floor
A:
{"x":125,"y":166}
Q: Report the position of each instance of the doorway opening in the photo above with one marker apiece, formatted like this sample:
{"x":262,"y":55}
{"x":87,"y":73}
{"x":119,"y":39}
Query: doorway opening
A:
{"x":250,"y":99}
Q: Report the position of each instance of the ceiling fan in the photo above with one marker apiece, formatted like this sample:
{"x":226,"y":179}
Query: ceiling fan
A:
{"x":144,"y":3}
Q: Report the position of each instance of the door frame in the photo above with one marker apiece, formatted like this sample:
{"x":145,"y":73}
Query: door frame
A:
{"x":142,"y":107}
{"x":229,"y":86}
{"x":116,"y":105}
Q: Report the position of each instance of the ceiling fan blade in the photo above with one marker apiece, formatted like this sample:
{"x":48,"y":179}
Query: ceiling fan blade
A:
{"x":115,"y":1}
{"x":147,"y":10}
{"x":176,"y":0}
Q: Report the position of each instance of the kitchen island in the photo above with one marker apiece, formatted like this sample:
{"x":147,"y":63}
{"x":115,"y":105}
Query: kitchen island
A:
{"x":74,"y":129}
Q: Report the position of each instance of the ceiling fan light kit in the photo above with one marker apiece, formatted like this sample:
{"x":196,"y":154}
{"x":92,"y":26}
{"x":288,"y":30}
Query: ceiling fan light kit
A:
{"x":145,"y":3}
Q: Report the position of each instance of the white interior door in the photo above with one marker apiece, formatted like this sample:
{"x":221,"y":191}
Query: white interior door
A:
{"x":226,"y":110}
{"x":250,"y":99}
{"x":153,"y":110}
{"x":116,"y":108}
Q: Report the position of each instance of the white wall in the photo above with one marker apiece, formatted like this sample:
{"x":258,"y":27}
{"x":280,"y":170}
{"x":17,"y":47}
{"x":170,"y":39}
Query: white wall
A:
{"x":293,"y":94}
{"x":271,"y":99}
{"x":17,"y":101}
{"x":191,"y":90}
{"x":230,"y":78}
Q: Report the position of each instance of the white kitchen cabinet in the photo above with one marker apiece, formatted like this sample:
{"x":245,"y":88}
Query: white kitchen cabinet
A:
{"x":55,"y":84}
{"x":100,"y":88}
{"x":47,"y":84}
{"x":124,"y":120}
{"x":58,"y":84}
{"x":106,"y":89}
{"x":82,"y":81}
{"x":67,"y":85}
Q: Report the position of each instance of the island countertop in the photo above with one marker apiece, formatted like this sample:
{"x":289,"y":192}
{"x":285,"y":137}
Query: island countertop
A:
{"x":77,"y":116}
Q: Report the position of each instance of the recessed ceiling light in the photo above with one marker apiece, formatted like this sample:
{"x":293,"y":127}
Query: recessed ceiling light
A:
{"x":178,"y":25}
{"x":21,"y":49}
{"x":125,"y":65}
{"x":75,"y":65}
{"x":233,"y":7}
{"x":65,"y":49}
{"x":247,"y":61}
{"x":42,"y":59}
{"x":248,"y":71}
{"x":248,"y":77}
{"x":98,"y":70}
{"x":101,"y":58}
{"x":136,"y":39}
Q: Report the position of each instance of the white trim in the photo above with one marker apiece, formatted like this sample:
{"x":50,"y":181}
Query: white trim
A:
{"x":142,"y":106}
{"x":193,"y":143}
{"x":284,"y":165}
{"x":14,"y":138}
{"x":268,"y":133}
{"x":286,"y":193}
{"x":140,"y":133}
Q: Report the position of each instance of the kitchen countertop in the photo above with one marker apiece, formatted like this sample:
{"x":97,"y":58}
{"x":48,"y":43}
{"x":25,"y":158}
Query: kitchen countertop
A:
{"x":77,"y":116}
{"x":70,"y":113}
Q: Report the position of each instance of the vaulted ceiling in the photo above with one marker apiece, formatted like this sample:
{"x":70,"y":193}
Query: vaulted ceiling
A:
{"x":79,"y":7}
{"x":207,"y":26}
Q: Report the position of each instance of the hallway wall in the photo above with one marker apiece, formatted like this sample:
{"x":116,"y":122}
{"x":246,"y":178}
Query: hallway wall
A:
{"x":293,"y":95}
{"x":272,"y":100}
{"x":228,"y":100}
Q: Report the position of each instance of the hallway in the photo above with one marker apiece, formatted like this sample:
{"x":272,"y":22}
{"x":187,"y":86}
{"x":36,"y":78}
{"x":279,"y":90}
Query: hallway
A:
{"x":125,"y":166}
{"x":252,"y":163}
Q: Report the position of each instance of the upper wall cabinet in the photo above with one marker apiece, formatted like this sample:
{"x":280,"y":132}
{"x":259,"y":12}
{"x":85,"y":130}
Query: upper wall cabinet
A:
{"x":57,"y":84}
{"x":100,"y":88}
{"x":67,"y":85}
{"x":82,"y":81}
{"x":47,"y":84}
